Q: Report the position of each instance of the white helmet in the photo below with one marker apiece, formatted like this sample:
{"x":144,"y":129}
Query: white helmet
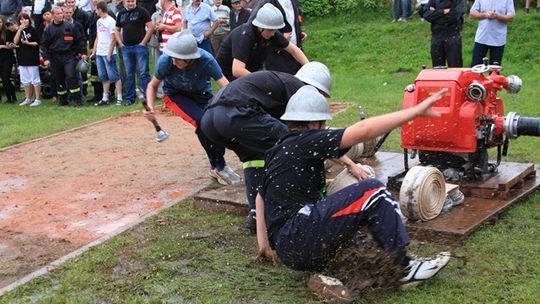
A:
{"x":317,"y":75}
{"x":182,"y":45}
{"x":269,"y":17}
{"x":307,"y":104}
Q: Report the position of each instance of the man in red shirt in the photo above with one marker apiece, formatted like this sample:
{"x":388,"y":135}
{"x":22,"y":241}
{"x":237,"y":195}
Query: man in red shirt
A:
{"x":171,"y":22}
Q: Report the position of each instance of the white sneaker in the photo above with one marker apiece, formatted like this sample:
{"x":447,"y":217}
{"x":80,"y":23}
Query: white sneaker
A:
{"x":25,"y":102}
{"x":421,"y":270}
{"x":139,"y":93}
{"x":36,"y":103}
{"x":235,"y":178}
{"x":118,"y":102}
{"x":214,"y":173}
{"x":162,"y":135}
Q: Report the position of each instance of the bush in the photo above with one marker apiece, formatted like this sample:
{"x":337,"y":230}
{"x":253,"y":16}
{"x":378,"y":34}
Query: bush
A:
{"x":327,"y":7}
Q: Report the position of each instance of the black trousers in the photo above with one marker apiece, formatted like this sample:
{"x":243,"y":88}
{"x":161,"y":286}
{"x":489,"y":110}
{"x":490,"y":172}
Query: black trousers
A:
{"x":249,"y":132}
{"x":446,"y":51}
{"x":9,"y":88}
{"x":65,"y":75}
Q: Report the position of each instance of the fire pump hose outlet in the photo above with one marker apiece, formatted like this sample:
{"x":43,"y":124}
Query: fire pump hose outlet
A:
{"x":514,"y":84}
{"x":515,"y":125}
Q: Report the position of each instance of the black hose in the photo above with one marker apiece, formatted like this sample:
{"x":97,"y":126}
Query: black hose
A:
{"x":528,"y":126}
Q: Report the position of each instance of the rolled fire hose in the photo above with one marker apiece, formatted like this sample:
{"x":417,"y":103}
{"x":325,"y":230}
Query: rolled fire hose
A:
{"x":344,"y":179}
{"x":355,"y":152}
{"x":422,"y":193}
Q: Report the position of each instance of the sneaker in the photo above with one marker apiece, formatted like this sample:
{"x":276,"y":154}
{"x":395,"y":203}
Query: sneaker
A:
{"x":235,"y":178}
{"x":118,"y":102}
{"x":538,"y":9}
{"x":162,"y":135}
{"x":251,"y":222}
{"x":101,"y":103}
{"x":226,"y":176}
{"x":139,"y":93}
{"x":26,"y":102}
{"x":421,"y":270}
{"x":128,"y":103}
{"x":36,"y":103}
{"x":213,"y":173}
{"x":526,"y":10}
{"x":329,"y":289}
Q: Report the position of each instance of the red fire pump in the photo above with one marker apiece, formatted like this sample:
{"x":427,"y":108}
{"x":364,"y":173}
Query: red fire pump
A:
{"x":472,"y":121}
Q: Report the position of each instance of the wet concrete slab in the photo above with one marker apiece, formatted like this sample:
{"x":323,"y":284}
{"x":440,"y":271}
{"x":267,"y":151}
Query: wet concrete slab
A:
{"x":230,"y":199}
{"x":484,"y":201}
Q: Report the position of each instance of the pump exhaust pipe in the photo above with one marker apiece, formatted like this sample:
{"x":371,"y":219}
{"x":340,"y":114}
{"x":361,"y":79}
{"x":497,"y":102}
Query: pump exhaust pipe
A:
{"x":515,"y":125}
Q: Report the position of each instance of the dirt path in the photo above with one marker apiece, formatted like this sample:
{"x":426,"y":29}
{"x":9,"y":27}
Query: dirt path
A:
{"x":62,"y":192}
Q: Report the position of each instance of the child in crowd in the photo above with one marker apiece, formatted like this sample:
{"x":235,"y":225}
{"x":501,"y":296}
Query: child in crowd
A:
{"x":27,"y":38}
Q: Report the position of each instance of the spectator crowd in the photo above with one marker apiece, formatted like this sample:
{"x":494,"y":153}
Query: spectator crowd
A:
{"x":57,"y":48}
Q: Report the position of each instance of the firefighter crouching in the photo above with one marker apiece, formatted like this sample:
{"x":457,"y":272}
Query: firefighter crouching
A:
{"x":62,"y":44}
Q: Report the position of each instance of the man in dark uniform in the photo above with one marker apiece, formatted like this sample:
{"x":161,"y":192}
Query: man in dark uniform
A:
{"x":305,"y":227}
{"x":446,"y":18}
{"x":244,"y":117}
{"x":245,"y":49}
{"x":83,"y":18}
{"x":62,"y":44}
{"x":277,"y":59}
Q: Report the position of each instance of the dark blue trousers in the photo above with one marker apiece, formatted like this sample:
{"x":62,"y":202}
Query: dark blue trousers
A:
{"x":310,"y":239}
{"x":480,"y":51}
{"x":191,"y":107}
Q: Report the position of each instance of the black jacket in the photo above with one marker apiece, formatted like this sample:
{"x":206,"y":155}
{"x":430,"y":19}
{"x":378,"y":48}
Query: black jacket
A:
{"x":83,"y":18}
{"x":62,"y":41}
{"x":444,"y":24}
{"x":243,"y":17}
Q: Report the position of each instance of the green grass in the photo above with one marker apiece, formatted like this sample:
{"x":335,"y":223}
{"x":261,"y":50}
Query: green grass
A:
{"x":185,"y":255}
{"x":20,"y":124}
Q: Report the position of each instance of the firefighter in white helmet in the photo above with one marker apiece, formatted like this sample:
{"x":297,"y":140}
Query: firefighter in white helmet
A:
{"x":306,"y":227}
{"x":244,"y":50}
{"x":185,"y":71}
{"x":244,"y":117}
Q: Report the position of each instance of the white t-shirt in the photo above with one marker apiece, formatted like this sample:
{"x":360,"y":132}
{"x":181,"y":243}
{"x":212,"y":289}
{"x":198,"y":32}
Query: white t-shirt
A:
{"x":105,"y":31}
{"x":39,"y":5}
{"x":289,"y":15}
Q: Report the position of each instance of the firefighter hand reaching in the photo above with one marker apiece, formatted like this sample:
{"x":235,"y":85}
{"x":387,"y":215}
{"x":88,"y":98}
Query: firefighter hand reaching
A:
{"x":424,"y":107}
{"x":359,"y":171}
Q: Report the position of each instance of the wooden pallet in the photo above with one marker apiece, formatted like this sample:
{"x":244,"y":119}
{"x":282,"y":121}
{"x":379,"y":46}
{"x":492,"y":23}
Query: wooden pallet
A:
{"x":484,"y":201}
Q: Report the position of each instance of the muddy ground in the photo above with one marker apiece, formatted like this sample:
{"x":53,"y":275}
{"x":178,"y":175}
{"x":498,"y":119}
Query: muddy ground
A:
{"x":62,"y":192}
